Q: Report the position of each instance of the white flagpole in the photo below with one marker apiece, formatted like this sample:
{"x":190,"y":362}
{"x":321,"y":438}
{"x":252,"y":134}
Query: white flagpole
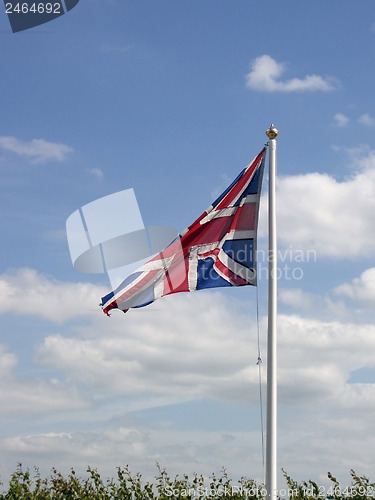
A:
{"x":271,"y":443}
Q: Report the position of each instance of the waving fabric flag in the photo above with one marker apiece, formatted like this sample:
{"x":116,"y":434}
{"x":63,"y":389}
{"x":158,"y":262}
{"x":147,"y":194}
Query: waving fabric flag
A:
{"x":218,"y":249}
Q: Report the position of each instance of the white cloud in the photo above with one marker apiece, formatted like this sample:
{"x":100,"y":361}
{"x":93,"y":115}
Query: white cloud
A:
{"x":361,"y":289}
{"x":329,"y":307}
{"x":266,"y":72}
{"x":171,"y":356}
{"x":366,"y":120}
{"x":34,"y":395}
{"x":88,"y":446}
{"x":38,"y":150}
{"x":188,"y":347}
{"x":297,"y":298}
{"x":324,"y":342}
{"x":179,"y":450}
{"x":96,"y":172}
{"x":341,"y":120}
{"x":163,"y":352}
{"x":318,"y":213}
{"x":24,"y":291}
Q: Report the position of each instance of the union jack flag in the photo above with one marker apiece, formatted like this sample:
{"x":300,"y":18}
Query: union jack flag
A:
{"x":218,"y":249}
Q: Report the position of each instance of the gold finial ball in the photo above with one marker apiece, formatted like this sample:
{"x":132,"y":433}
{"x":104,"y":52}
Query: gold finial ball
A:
{"x":272,"y":132}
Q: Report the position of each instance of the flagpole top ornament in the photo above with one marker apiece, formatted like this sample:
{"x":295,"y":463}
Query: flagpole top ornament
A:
{"x":272,"y":132}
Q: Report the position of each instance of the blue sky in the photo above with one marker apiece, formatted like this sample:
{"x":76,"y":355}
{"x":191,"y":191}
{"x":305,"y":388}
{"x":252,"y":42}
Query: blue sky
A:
{"x":172,"y":98}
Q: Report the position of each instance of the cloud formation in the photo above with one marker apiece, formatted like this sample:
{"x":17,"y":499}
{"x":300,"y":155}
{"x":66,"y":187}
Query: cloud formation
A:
{"x":266,"y":72}
{"x":341,"y":120}
{"x":315,"y":211}
{"x":171,"y":358}
{"x":361,"y":289}
{"x":366,"y":120}
{"x":166,"y":358}
{"x":26,"y":292}
{"x":34,"y":395}
{"x":38,"y":150}
{"x":182,"y":348}
{"x":96,"y":172}
{"x":171,"y":361}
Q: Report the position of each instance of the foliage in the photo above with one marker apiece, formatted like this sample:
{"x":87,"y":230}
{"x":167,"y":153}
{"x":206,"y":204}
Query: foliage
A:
{"x":26,"y":486}
{"x":359,"y":489}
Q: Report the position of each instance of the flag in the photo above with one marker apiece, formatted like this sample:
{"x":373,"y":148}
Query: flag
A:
{"x":217,"y":250}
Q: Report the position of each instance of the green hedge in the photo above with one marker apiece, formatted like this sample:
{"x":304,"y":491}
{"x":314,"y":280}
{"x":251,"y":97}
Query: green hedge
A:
{"x":24,"y":485}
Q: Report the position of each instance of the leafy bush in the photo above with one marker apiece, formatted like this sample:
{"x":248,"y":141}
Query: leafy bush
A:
{"x":25,"y":486}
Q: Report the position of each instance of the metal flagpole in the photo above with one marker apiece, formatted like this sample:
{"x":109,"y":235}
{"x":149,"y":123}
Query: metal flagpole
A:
{"x":271,"y":443}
